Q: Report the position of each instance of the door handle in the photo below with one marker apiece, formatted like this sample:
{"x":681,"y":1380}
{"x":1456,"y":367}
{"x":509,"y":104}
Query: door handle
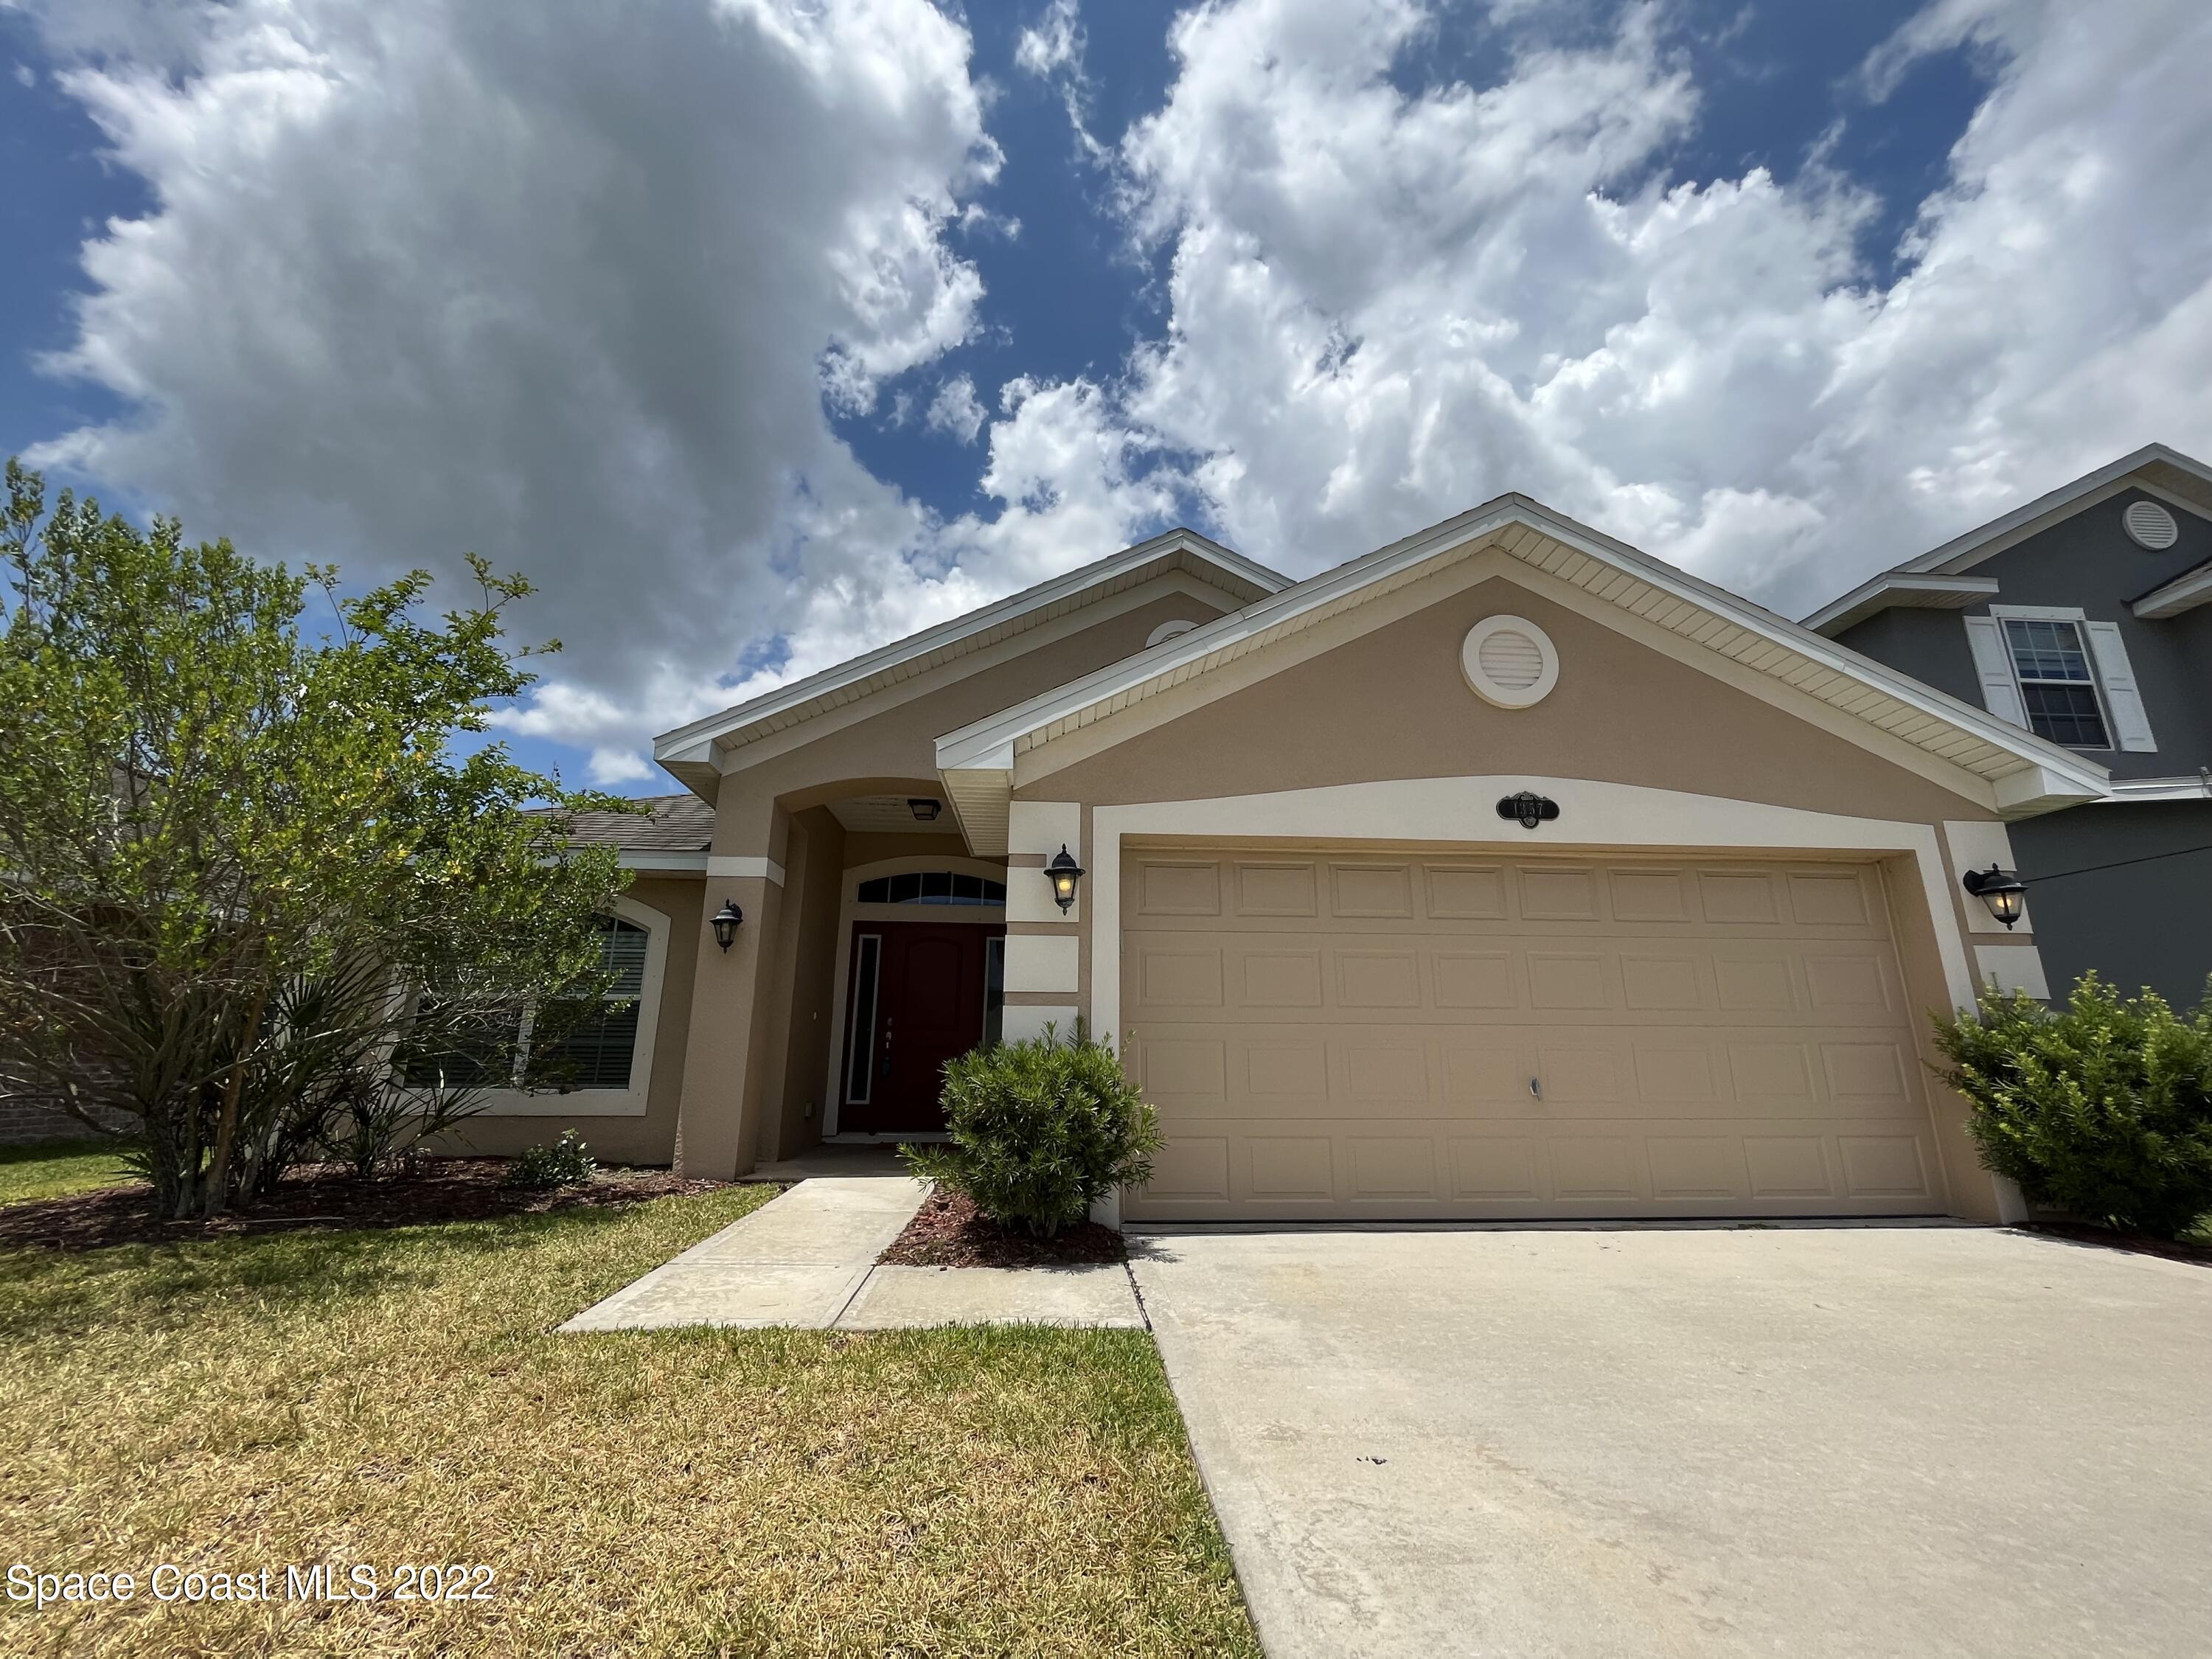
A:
{"x":1536,"y":1088}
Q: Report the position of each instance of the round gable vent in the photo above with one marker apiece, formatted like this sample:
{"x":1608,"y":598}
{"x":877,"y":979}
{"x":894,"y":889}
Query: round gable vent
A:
{"x":2151,"y":526}
{"x":1509,"y":661}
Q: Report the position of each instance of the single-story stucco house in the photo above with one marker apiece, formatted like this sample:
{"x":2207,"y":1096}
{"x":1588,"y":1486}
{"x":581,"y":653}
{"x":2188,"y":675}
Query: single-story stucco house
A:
{"x":1504,"y":872}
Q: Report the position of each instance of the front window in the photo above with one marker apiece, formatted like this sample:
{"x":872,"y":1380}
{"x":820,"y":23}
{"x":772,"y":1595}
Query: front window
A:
{"x":2057,"y":686}
{"x":597,"y":1042}
{"x":569,"y":1046}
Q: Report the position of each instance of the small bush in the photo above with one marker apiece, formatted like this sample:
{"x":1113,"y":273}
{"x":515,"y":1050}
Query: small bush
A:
{"x":1041,"y":1129}
{"x":2102,"y":1108}
{"x":567,"y":1163}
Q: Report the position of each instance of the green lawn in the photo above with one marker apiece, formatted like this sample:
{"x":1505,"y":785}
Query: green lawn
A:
{"x":382,"y":1398}
{"x":56,"y":1169}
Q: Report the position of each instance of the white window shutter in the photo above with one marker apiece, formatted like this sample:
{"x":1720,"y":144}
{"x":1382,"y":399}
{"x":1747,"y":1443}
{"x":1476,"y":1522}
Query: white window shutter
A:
{"x":2131,"y":720}
{"x":1993,"y":664}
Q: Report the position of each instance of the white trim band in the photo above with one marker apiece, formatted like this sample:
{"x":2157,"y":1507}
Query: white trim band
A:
{"x":745,"y":865}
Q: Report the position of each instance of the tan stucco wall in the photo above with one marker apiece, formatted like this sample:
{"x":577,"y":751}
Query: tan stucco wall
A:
{"x":873,"y":847}
{"x":797,"y":1106}
{"x":1394,"y":704}
{"x":650,"y":1139}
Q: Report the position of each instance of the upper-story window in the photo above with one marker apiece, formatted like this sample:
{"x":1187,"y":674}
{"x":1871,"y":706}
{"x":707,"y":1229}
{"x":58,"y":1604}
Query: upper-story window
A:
{"x":2064,"y":676}
{"x":2057,"y":686}
{"x":933,"y":887}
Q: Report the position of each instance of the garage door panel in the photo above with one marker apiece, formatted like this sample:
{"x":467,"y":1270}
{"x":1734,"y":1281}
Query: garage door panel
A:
{"x":1699,"y":1167}
{"x":1337,"y":1036}
{"x":1292,"y":1167}
{"x":1499,"y":1168}
{"x":1464,"y":892}
{"x":1191,"y":1169}
{"x":1276,"y":889}
{"x":1885,"y":1166}
{"x":1392,"y":1168}
{"x":1365,"y":890}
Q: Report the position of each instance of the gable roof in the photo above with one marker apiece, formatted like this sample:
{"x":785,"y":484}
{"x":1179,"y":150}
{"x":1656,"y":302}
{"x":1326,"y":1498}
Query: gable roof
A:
{"x":689,"y":747}
{"x":2022,"y":773}
{"x":1937,"y":578}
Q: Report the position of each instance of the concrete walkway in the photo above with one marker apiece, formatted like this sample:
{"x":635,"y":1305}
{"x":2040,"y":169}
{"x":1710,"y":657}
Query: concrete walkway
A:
{"x":807,"y":1260}
{"x":1806,"y":1441}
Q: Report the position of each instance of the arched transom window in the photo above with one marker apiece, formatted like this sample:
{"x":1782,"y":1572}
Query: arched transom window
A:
{"x":932,"y":887}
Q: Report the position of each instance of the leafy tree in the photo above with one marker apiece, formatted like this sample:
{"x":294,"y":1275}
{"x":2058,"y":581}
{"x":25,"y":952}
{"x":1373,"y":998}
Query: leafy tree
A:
{"x":2102,"y":1107}
{"x":259,"y":886}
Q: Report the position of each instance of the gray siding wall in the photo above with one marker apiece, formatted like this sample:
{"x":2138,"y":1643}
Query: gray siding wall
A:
{"x":2088,"y":561}
{"x":2145,"y":923}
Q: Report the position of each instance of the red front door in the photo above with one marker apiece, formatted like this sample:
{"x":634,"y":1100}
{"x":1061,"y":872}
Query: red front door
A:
{"x":916,"y":996}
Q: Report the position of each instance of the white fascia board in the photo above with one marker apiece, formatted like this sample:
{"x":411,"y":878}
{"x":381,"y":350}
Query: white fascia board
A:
{"x":664,"y":864}
{"x":686,"y":740}
{"x":1924,"y":593}
{"x":2079,"y":779}
{"x":2184,"y":593}
{"x":2124,"y":791}
{"x":1962,"y":551}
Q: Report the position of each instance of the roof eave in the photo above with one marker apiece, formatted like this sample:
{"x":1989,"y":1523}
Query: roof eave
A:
{"x":1891,"y":591}
{"x":696,"y":741}
{"x":2060,"y":777}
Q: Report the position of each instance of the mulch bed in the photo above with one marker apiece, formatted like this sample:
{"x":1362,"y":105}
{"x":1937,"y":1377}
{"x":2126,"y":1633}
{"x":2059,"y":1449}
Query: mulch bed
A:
{"x":948,"y":1231}
{"x":2081,"y":1233}
{"x":442,"y":1189}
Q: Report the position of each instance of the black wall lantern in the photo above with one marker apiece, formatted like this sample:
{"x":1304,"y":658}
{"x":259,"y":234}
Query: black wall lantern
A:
{"x":1063,"y":872}
{"x":727,"y":920}
{"x":924,"y":808}
{"x":1529,"y":810}
{"x":2003,"y":891}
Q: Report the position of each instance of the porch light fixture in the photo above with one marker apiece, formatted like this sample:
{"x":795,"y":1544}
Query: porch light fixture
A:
{"x":727,"y":920}
{"x":924,"y":808}
{"x":1063,"y":872}
{"x":2000,"y":889}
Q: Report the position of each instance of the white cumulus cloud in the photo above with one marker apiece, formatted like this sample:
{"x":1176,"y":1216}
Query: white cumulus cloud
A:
{"x":563,"y":283}
{"x":1388,"y":305}
{"x":956,"y":411}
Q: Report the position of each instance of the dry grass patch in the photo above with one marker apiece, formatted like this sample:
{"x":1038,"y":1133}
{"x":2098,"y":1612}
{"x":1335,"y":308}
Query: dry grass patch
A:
{"x":398,"y":1396}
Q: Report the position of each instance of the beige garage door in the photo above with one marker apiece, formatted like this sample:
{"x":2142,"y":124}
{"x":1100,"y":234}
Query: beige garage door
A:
{"x":1328,"y":1035}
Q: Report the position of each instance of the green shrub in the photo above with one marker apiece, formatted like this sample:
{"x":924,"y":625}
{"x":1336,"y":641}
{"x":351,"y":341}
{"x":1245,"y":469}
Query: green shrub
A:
{"x":567,"y":1163}
{"x":2102,"y":1108}
{"x":1041,"y":1129}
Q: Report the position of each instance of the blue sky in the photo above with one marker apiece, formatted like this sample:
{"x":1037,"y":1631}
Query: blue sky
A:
{"x":759,"y":333}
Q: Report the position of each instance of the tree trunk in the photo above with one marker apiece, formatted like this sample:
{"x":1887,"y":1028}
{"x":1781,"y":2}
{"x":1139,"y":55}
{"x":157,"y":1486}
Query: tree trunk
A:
{"x":218,"y":1183}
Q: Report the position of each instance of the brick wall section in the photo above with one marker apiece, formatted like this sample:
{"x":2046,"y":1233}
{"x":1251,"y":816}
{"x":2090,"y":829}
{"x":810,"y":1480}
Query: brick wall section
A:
{"x":25,"y":1121}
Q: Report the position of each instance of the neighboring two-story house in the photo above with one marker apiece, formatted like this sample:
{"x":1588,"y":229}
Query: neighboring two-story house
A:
{"x":2085,"y":616}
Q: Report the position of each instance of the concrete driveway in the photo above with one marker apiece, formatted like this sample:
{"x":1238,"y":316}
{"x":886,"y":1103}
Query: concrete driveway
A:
{"x":1787,"y":1441}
